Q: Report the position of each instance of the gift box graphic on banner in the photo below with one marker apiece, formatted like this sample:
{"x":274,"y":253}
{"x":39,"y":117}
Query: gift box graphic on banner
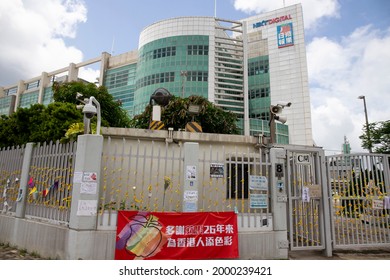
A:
{"x":157,"y":235}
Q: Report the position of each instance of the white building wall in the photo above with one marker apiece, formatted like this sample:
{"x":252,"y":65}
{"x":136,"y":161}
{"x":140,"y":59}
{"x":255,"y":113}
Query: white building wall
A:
{"x":288,"y":71}
{"x":181,"y":26}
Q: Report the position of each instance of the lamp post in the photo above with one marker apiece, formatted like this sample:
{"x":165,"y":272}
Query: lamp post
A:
{"x":367,"y":125}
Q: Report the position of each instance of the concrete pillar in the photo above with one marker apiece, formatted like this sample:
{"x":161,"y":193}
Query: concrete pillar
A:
{"x":191,"y":177}
{"x":73,"y":73}
{"x":24,"y":177}
{"x":45,"y":80}
{"x":103,"y":66}
{"x":279,"y":198}
{"x":2,"y":92}
{"x":85,"y":198}
{"x":86,"y":181}
{"x":21,"y":89}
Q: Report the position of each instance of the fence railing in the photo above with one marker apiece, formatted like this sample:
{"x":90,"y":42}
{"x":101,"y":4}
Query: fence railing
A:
{"x":360,"y":192}
{"x":11,"y":160}
{"x":50,"y":182}
{"x":148,"y":175}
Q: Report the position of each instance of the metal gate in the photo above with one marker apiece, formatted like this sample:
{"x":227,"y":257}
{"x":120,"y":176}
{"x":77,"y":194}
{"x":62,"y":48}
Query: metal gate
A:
{"x":360,"y":202}
{"x":308,"y":211}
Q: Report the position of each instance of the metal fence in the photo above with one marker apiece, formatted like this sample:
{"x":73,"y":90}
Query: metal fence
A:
{"x":11,"y":160}
{"x":360,"y":184}
{"x":50,"y":182}
{"x":148,"y":175}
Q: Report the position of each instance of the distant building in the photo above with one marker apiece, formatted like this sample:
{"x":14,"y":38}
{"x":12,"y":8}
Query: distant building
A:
{"x":243,"y":66}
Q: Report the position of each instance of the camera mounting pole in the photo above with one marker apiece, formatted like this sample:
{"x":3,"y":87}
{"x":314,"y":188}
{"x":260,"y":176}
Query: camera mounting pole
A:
{"x":90,"y":109}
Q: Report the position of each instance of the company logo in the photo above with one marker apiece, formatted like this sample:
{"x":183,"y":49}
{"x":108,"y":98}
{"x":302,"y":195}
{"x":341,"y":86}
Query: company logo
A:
{"x":285,"y":35}
{"x":271,"y":21}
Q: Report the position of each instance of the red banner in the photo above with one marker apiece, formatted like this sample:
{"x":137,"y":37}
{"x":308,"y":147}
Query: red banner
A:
{"x":174,"y":236}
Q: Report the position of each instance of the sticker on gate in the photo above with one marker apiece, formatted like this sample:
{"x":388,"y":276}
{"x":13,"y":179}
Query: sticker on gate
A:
{"x":302,"y":158}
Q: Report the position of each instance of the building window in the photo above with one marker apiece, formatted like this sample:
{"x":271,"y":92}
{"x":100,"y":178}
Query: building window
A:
{"x":258,"y":67}
{"x":32,"y":85}
{"x":118,"y":79}
{"x":258,"y":93}
{"x":263,"y":115}
{"x":11,"y":91}
{"x":197,"y":76}
{"x":198,"y":50}
{"x":163,"y":52}
{"x":155,"y":79}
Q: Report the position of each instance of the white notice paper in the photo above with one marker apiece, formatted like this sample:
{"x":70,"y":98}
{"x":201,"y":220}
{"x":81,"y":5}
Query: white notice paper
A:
{"x":87,"y":208}
{"x":305,"y":194}
{"x":88,"y":188}
{"x":77,"y":177}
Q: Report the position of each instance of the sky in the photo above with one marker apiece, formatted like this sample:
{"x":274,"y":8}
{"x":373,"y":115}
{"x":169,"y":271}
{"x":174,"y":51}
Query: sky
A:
{"x":347,"y":46}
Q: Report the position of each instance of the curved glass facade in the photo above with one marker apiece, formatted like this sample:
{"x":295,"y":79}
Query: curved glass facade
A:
{"x":178,"y":63}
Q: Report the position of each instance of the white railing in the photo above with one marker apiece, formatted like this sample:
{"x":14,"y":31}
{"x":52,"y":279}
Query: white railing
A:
{"x":359,"y":184}
{"x":50,"y":182}
{"x":11,"y":160}
{"x":148,"y":175}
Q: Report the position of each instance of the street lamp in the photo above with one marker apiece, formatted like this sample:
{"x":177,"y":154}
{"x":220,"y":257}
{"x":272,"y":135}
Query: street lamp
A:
{"x":367,"y":125}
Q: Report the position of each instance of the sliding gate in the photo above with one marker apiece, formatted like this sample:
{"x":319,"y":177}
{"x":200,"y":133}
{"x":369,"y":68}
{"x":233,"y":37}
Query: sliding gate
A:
{"x":359,"y":185}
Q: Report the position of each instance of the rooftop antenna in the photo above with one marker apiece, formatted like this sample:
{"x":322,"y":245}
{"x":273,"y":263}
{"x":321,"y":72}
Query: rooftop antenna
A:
{"x":112,"y":45}
{"x":215,"y":8}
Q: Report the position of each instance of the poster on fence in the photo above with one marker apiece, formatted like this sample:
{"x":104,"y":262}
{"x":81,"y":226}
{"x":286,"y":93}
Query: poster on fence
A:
{"x":176,"y":236}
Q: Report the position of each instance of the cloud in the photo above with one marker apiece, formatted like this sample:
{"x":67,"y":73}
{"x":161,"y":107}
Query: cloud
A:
{"x":32,"y":36}
{"x":313,"y":10}
{"x":89,"y":74}
{"x":339,"y":72}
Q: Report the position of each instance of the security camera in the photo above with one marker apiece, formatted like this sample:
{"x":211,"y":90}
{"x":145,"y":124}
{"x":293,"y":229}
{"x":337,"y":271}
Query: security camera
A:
{"x":284,"y":104}
{"x":89,"y":110}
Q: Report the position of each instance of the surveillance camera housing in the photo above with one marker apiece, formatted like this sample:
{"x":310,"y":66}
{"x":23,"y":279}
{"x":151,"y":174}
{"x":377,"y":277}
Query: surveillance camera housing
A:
{"x":89,"y":110}
{"x":284,"y":104}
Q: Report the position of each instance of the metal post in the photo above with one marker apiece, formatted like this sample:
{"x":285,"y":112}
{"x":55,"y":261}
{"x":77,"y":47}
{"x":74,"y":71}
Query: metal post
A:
{"x":272,"y":129}
{"x":367,"y":124}
{"x":24,"y":177}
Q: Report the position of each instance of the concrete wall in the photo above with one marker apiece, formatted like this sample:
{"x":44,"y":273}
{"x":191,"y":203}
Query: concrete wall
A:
{"x":83,"y":238}
{"x":59,"y":242}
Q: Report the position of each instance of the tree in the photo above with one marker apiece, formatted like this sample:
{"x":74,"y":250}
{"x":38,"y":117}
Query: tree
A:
{"x":111,"y":111}
{"x":379,"y":137}
{"x":38,"y":123}
{"x":212,"y":119}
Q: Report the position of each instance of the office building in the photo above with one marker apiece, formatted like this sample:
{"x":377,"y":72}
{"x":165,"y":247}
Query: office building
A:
{"x":243,"y":66}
